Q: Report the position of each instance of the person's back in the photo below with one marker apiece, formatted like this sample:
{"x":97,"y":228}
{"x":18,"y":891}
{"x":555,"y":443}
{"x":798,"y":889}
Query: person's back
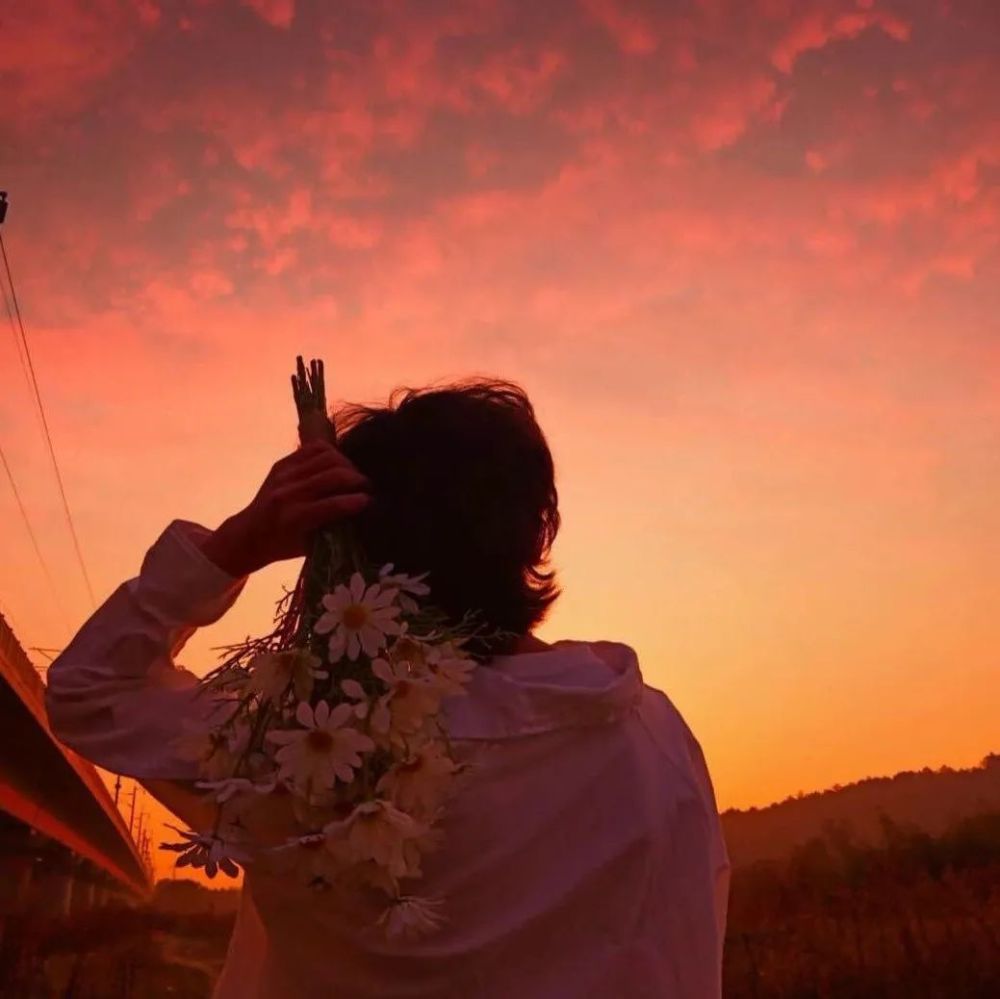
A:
{"x":582,"y":858}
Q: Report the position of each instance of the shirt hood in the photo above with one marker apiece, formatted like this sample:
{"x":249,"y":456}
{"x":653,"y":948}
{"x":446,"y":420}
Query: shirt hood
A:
{"x":572,"y":683}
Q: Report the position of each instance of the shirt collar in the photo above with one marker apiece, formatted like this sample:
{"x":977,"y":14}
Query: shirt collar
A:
{"x":570,"y":684}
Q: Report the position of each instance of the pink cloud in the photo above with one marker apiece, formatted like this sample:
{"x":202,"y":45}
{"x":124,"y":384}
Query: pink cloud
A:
{"x":632,"y":32}
{"x":520,"y":80}
{"x":726,"y":115}
{"x":277,"y":13}
{"x":156,"y":184}
{"x":815,"y":29}
{"x":52,"y":52}
{"x":210,"y":284}
{"x":273,"y":223}
{"x":354,"y":233}
{"x":816,"y":161}
{"x":654,"y":169}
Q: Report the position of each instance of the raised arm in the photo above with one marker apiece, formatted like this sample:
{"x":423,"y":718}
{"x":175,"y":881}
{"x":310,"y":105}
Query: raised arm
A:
{"x":116,"y":694}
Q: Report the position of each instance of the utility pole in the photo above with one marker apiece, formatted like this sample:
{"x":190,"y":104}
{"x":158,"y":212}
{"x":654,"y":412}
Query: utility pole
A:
{"x":118,"y":787}
{"x":131,"y":814}
{"x":147,"y":854}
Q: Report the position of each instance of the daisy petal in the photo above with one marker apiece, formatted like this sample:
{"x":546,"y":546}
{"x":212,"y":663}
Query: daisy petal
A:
{"x":337,"y":645}
{"x":383,"y":597}
{"x":353,"y":689}
{"x":326,"y":622}
{"x":369,"y":638}
{"x":382,"y":669}
{"x":338,"y":716}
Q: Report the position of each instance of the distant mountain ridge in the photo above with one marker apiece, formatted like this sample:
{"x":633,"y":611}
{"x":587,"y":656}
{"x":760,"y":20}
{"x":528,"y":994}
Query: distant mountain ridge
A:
{"x":929,"y":799}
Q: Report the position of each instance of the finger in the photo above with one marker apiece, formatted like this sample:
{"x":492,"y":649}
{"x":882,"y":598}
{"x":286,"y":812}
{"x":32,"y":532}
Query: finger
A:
{"x":317,"y":445}
{"x":323,"y":483}
{"x":322,"y":459}
{"x":307,"y":459}
{"x":311,"y":516}
{"x":296,"y":456}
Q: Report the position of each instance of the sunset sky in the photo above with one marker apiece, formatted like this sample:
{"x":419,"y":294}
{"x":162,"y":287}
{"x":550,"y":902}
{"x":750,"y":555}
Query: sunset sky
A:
{"x":742,"y":254}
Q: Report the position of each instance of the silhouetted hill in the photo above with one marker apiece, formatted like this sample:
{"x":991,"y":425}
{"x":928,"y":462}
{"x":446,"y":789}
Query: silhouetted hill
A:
{"x":929,"y":799}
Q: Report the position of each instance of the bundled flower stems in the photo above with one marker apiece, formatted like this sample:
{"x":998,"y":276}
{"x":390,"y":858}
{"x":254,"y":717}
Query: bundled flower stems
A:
{"x":338,"y":709}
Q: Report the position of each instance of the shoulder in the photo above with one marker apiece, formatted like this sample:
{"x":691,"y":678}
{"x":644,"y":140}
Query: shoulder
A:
{"x":678,"y":745}
{"x":670,"y":731}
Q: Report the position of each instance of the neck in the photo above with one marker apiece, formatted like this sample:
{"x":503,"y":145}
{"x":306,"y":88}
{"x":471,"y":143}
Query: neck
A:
{"x":529,"y":643}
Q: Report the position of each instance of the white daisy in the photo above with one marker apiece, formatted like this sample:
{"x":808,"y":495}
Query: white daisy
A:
{"x":325,"y":749}
{"x":376,"y":831}
{"x":272,"y":672}
{"x":227,"y":788}
{"x":450,"y":667}
{"x":408,"y":648}
{"x":404,"y":708}
{"x":213,"y":852}
{"x":406,"y":585}
{"x":216,"y":750}
{"x":359,"y":618}
{"x":417,"y":784}
{"x":411,"y":916}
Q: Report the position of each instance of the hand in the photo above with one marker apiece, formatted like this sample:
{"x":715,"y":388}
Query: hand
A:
{"x":310,"y":488}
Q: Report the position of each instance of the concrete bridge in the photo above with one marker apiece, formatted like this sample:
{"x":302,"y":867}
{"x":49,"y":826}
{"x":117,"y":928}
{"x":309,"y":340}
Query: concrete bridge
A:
{"x":63,"y":843}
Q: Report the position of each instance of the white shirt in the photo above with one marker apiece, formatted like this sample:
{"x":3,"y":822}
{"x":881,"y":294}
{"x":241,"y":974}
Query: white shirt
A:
{"x":583,"y":857}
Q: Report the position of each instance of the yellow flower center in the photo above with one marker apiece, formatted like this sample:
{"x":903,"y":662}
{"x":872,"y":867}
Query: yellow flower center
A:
{"x":319,"y":740}
{"x":354,"y":616}
{"x":407,"y":650}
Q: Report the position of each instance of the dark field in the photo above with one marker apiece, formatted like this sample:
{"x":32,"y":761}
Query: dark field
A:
{"x":917,"y":916}
{"x":114,"y":953}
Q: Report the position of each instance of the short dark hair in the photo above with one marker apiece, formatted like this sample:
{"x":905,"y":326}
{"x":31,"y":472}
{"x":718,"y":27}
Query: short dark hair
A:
{"x":464,"y":488}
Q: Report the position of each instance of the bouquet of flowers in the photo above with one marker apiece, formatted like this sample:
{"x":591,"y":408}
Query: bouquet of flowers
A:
{"x":338,"y":708}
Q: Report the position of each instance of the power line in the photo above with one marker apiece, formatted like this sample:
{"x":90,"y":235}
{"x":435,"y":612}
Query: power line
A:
{"x":45,"y":424}
{"x":10,"y":475}
{"x":49,"y":654}
{"x":17,"y":339}
{"x":30,"y":529}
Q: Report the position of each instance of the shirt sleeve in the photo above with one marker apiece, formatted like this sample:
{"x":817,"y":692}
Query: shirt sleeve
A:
{"x":115,"y":694}
{"x":706,"y":869}
{"x":719,"y":852}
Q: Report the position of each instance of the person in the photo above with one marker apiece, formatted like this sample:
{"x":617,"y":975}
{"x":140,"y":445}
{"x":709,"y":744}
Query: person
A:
{"x":583,"y":857}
